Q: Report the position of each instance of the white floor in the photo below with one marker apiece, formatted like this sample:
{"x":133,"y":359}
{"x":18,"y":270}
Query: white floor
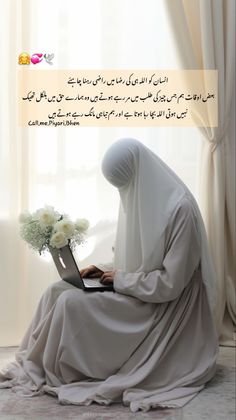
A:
{"x":215,"y":402}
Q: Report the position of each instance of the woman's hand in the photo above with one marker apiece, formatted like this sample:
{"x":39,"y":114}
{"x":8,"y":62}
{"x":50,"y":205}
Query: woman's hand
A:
{"x":91,"y":271}
{"x":108,"y":277}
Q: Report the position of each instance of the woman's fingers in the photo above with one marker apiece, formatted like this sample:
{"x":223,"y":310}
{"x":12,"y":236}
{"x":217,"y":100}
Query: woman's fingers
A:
{"x":87,"y":271}
{"x":107,"y":274}
{"x":92,"y":271}
{"x":108,"y":277}
{"x":97,"y":274}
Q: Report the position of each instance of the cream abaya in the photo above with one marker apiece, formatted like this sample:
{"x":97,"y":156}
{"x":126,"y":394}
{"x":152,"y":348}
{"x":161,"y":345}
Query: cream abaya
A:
{"x":152,"y":342}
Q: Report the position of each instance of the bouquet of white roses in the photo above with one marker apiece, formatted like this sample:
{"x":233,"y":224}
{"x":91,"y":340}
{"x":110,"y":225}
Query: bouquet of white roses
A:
{"x":47,"y":228}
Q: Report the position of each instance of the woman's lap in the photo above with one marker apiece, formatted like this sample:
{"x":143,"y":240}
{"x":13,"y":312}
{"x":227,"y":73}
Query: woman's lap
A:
{"x":76,"y":334}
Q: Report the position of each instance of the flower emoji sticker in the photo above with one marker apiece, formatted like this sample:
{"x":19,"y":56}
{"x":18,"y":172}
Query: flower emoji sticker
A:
{"x":24,"y":58}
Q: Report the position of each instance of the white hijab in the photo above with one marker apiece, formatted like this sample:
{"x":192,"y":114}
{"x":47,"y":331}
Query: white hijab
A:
{"x":150,"y":192}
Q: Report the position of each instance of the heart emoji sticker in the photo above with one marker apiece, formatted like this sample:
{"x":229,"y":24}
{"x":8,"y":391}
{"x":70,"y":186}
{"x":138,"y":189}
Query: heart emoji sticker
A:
{"x":36,"y":58}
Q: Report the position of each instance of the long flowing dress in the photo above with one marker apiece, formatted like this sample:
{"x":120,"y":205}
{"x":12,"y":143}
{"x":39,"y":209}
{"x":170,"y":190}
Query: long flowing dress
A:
{"x":151,"y":343}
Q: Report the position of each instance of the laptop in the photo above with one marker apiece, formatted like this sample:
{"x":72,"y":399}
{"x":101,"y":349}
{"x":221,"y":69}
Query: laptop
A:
{"x":69,"y":271}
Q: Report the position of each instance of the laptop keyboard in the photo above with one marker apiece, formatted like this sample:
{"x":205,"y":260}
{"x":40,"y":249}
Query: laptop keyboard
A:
{"x":92,"y":283}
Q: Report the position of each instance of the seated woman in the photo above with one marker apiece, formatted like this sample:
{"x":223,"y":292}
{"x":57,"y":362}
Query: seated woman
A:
{"x":150,"y":343}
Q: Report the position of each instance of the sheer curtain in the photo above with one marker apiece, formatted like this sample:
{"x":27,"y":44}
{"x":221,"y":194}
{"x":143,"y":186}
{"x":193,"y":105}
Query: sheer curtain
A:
{"x":205,"y":34}
{"x":60,"y":166}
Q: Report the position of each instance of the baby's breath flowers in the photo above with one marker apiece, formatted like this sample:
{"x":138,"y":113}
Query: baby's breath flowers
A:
{"x":47,"y":228}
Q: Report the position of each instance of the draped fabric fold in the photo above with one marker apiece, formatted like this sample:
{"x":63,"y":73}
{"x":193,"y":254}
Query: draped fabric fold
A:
{"x":205,"y":35}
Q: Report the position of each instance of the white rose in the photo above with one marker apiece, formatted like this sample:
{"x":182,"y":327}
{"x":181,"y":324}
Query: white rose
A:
{"x":25,"y":217}
{"x":46,"y":216}
{"x":58,"y":240}
{"x":82,"y":225}
{"x":65,"y":226}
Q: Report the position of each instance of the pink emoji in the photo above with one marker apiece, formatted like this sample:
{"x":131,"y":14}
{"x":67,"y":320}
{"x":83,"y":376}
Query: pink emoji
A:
{"x":36,"y":58}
